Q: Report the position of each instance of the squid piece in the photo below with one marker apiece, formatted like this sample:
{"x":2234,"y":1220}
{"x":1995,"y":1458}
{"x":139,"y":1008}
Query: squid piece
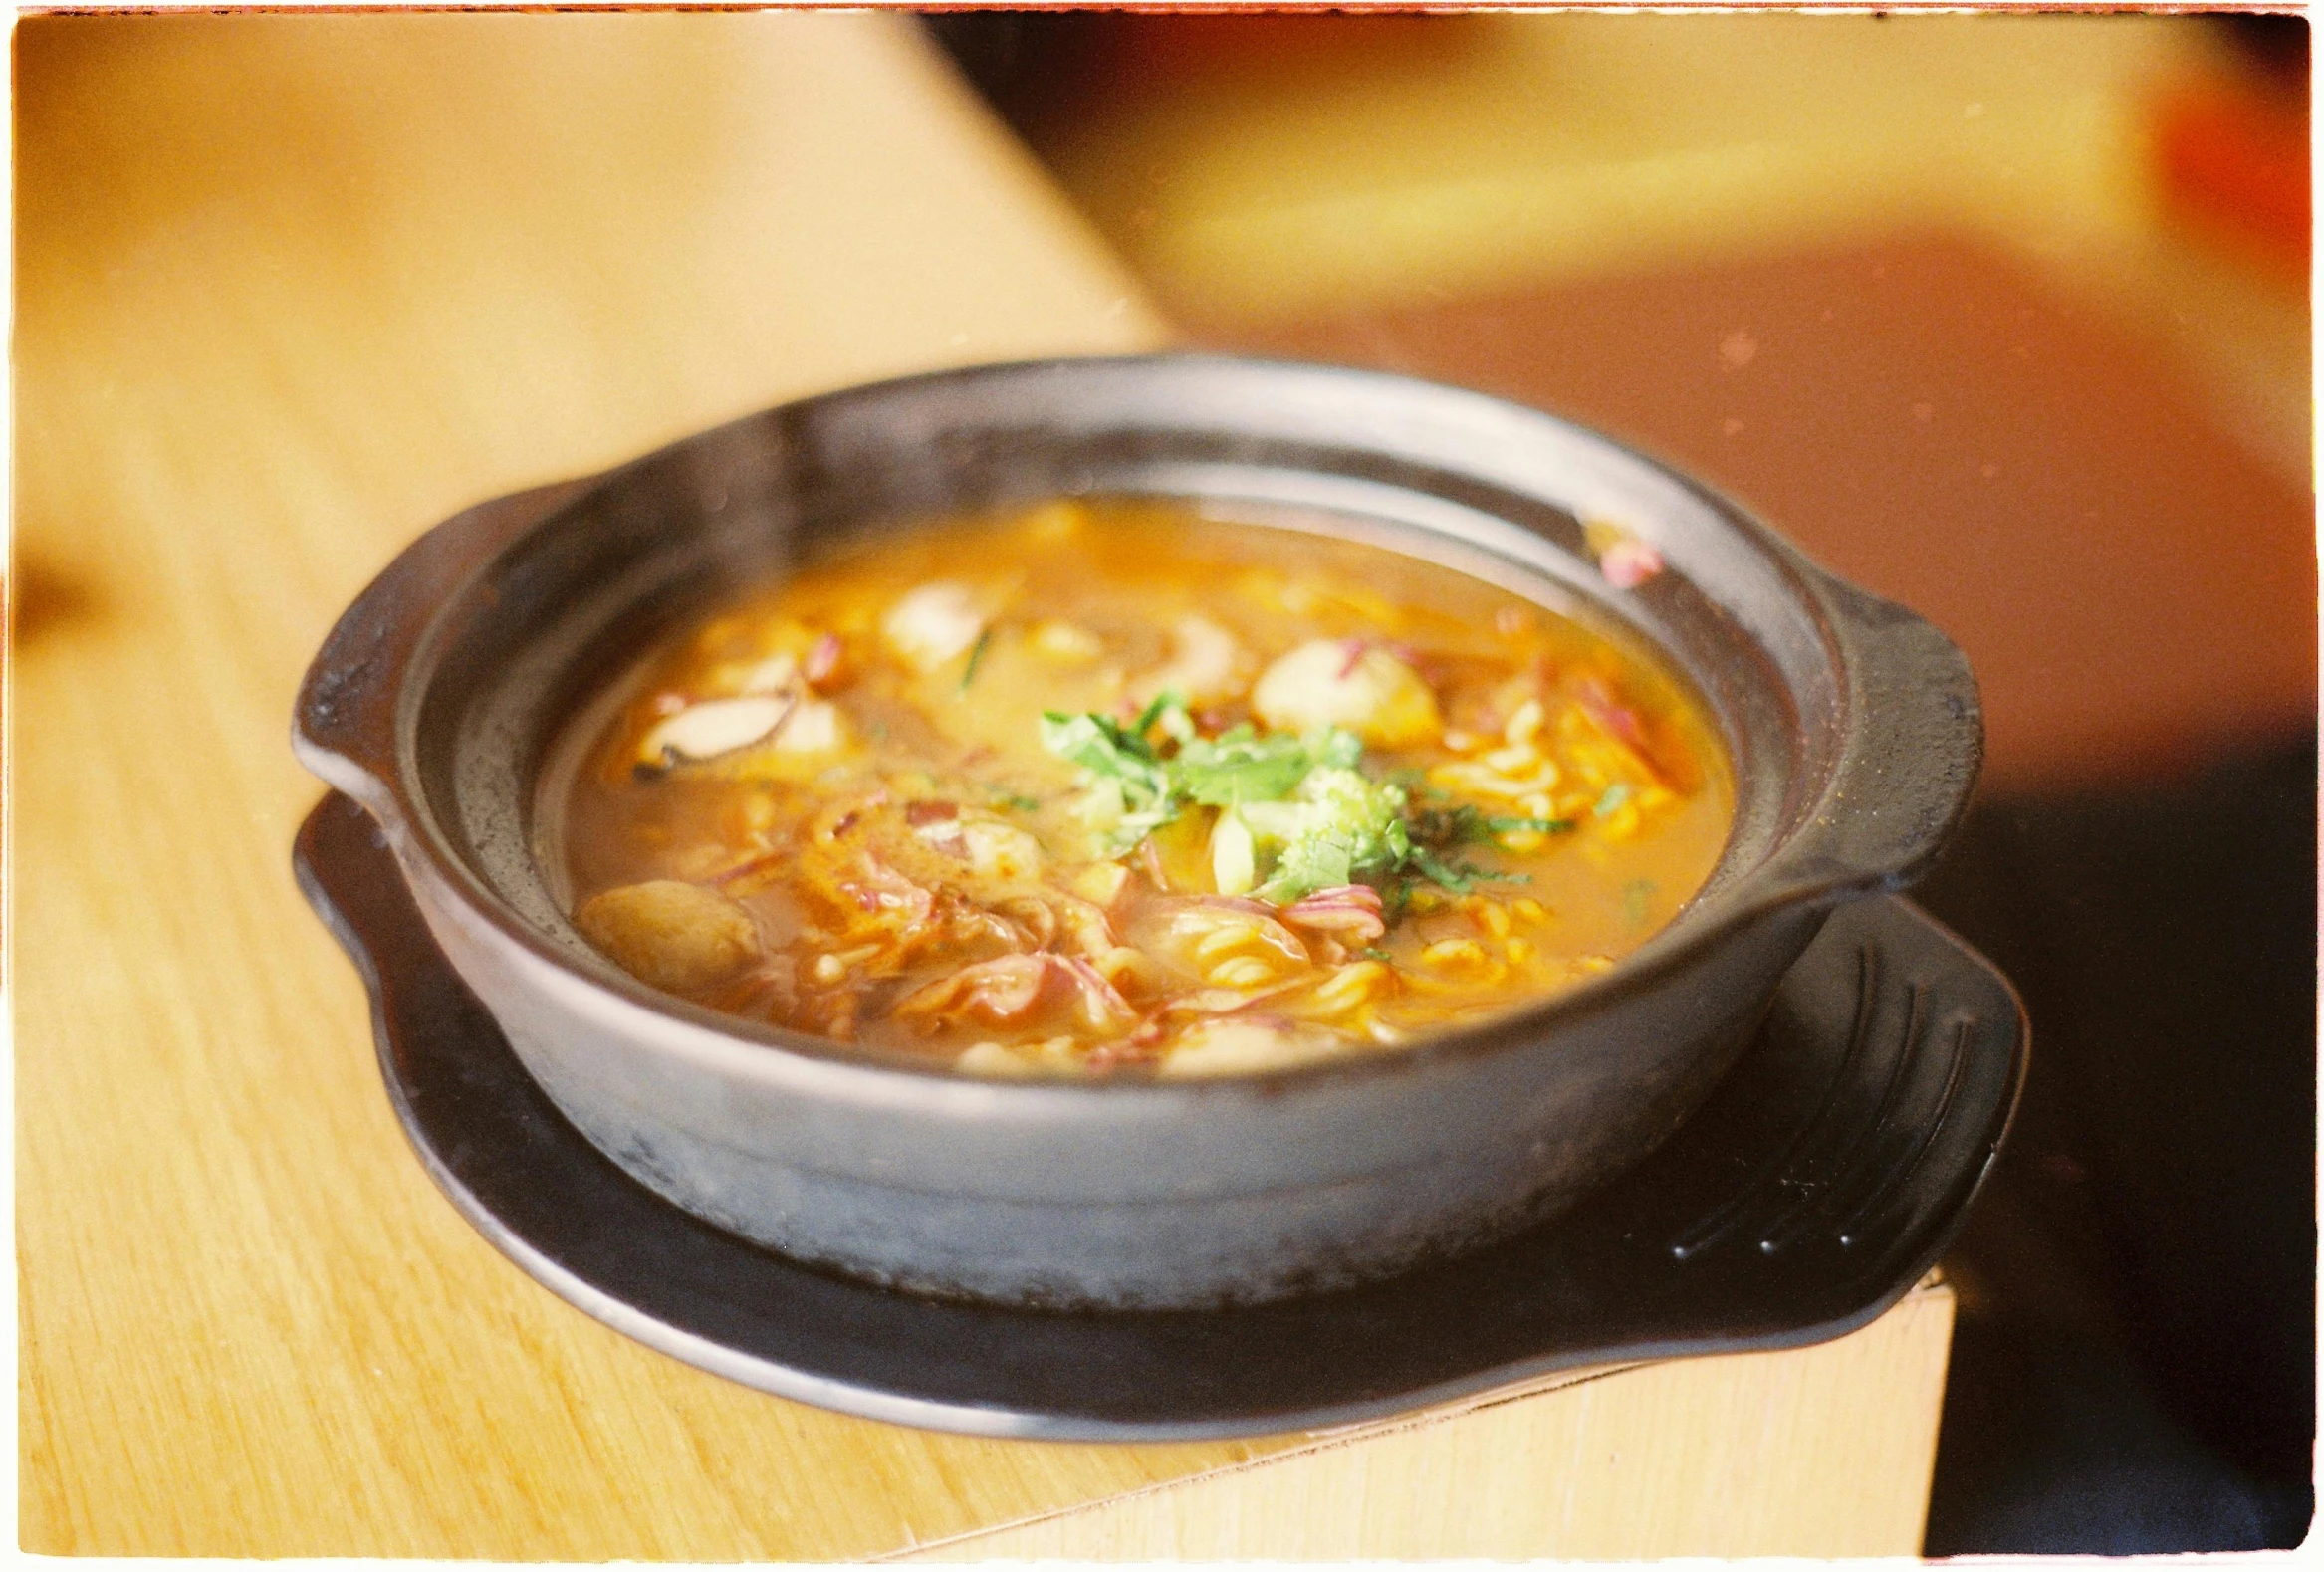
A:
{"x":1017,"y":990}
{"x":992,"y":848}
{"x":1352,"y":914}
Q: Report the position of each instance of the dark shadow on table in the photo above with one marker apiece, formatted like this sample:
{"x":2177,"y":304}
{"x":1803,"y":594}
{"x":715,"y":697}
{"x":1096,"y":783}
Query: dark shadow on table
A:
{"x":2133,"y":1368}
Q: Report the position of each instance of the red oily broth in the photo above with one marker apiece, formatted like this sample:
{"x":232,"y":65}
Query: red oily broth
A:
{"x":1108,"y":787}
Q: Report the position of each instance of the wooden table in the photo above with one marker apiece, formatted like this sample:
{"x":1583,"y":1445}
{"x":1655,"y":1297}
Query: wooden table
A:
{"x":292,"y":288}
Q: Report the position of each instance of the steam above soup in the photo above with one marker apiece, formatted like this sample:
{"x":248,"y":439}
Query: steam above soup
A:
{"x":1113,"y":788}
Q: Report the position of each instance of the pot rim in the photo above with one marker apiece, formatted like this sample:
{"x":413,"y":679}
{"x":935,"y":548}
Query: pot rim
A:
{"x":358,"y":708}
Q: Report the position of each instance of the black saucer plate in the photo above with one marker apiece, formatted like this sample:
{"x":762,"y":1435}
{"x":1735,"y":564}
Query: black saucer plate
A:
{"x":1820,"y":1181}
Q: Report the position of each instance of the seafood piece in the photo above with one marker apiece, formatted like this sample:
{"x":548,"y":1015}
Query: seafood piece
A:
{"x":669,"y":935}
{"x":1066,"y":791}
{"x":1001,"y":851}
{"x":1350,"y":914}
{"x":1348,"y":683}
{"x":1206,"y":666}
{"x":994,"y":849}
{"x":933,"y":624}
{"x":1067,"y":643}
{"x":1019,"y":990}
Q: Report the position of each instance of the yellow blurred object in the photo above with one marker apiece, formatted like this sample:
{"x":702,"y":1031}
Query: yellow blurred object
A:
{"x":1535,"y":151}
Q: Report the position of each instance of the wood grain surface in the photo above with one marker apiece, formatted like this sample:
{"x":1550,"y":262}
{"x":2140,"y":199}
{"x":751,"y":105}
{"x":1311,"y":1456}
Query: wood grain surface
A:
{"x":1822,"y":1450}
{"x":290,"y":289}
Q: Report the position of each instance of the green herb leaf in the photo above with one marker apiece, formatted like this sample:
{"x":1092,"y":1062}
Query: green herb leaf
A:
{"x":1465,"y":824}
{"x":1335,"y":748}
{"x":1459,"y":826}
{"x":1502,"y":825}
{"x":1096,"y":743}
{"x":1338,"y":827}
{"x":1240,"y":766}
{"x":1460,"y":878}
{"x":1313,"y":862}
{"x":976,"y":658}
{"x":1106,"y":749}
{"x":1316,"y":820}
{"x":1162,"y":704}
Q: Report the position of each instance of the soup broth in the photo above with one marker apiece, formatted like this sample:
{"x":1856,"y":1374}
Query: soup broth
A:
{"x":1116,"y":787}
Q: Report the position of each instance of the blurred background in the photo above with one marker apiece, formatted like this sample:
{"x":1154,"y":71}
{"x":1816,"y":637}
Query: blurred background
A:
{"x":2005,"y":317}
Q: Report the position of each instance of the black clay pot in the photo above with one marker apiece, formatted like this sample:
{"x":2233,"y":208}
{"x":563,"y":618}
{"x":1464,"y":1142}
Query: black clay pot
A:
{"x":1852,"y":726}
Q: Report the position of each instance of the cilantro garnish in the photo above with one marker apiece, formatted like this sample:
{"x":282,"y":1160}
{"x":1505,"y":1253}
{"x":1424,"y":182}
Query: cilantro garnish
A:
{"x":1466,"y":824}
{"x":976,"y":659}
{"x":1309,"y":819}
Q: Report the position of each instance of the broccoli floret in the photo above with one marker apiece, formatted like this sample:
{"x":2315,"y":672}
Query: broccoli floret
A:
{"x":1338,"y":827}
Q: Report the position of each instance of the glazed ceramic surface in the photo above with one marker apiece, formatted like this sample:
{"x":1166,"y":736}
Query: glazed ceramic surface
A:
{"x":1820,"y":1181}
{"x":1852,"y":726}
